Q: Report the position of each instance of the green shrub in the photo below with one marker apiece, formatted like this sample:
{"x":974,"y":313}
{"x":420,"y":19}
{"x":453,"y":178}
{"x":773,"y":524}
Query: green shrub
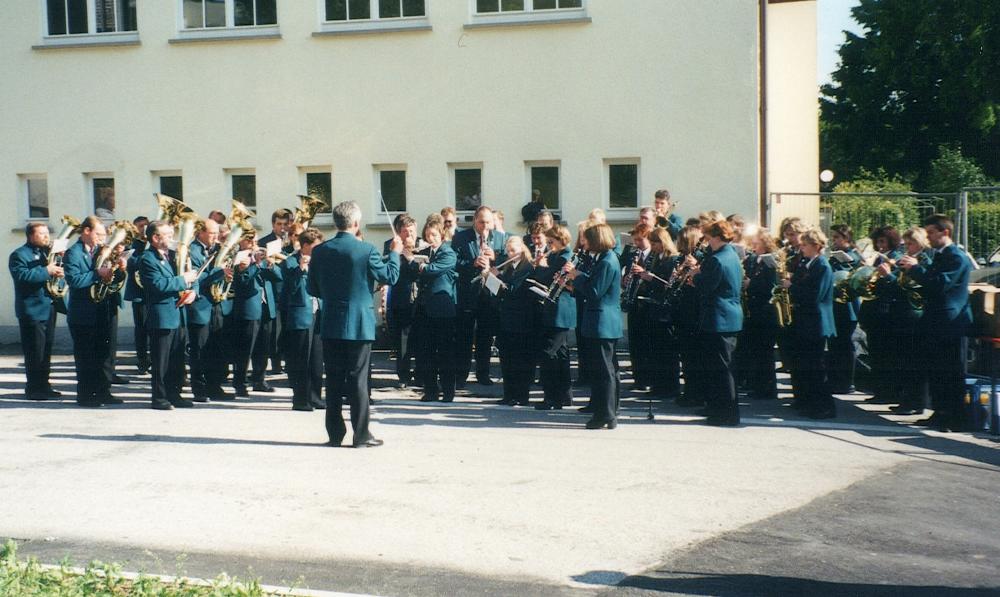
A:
{"x":863,"y":214}
{"x":29,"y":578}
{"x":984,"y":228}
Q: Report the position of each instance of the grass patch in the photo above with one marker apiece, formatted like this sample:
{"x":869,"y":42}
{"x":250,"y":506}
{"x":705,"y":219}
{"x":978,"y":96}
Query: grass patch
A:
{"x":28,"y":578}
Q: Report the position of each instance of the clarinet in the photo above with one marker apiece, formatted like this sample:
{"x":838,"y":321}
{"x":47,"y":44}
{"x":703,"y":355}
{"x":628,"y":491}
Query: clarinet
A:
{"x":631,"y":284}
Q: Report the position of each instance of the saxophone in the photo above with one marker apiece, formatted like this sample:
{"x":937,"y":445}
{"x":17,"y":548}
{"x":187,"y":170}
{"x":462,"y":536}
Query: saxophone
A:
{"x":239,"y":224}
{"x":781,"y":298}
{"x":56,"y":287}
{"x":122,"y":233}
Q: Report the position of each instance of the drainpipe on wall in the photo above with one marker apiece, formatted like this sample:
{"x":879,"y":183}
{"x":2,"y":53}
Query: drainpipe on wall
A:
{"x":762,"y":106}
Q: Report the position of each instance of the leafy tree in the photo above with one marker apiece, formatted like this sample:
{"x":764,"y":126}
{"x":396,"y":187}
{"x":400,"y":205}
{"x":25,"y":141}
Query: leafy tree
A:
{"x":925,"y":73}
{"x":951,"y":171}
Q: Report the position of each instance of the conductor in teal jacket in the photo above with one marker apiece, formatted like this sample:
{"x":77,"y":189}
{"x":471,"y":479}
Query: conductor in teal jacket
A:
{"x":342,"y":273}
{"x":718,"y":281}
{"x":602,"y":322}
{"x":811,"y":291}
{"x":36,"y":315}
{"x":947,"y":317}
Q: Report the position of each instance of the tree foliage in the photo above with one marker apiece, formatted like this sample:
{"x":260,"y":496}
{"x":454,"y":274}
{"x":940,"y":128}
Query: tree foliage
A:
{"x":925,"y":73}
{"x":951,"y":171}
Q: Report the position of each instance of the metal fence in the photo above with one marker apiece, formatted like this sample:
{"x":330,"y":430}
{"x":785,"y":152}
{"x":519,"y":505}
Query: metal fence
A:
{"x":975,"y":210}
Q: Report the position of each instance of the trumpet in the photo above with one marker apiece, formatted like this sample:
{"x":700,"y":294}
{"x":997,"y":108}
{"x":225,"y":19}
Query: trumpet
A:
{"x":122,"y":234}
{"x":56,"y":287}
{"x":239,"y":225}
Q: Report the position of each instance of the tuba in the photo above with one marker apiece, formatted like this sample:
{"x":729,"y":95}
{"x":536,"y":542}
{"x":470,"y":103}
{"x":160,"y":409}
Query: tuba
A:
{"x":56,"y":287}
{"x":239,"y":225}
{"x":121,"y":235}
{"x":781,"y":298}
{"x":307,"y":210}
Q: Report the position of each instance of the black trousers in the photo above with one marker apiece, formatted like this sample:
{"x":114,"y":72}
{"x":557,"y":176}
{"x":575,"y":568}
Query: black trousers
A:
{"x":166,"y":348}
{"x":139,"y":333}
{"x":243,"y":340}
{"x":582,"y":360}
{"x":36,"y":343}
{"x":640,"y":345}
{"x":788,"y":349}
{"x":840,"y":352}
{"x":878,"y":336}
{"x":92,"y":357}
{"x":305,"y":367}
{"x":945,"y":360}
{"x":262,"y":348}
{"x":438,"y":337}
{"x":518,"y":364}
{"x":812,"y":391}
{"x":716,"y":355}
{"x":401,"y":330}
{"x":347,"y":364}
{"x":603,"y":369}
{"x":761,"y":376}
{"x":556,"y":382}
{"x":665,"y":364}
{"x":692,"y":365}
{"x":206,"y":353}
{"x":110,"y":364}
{"x":910,"y":383}
{"x":478,"y":325}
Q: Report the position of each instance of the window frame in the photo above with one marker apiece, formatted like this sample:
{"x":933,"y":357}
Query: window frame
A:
{"x":304,"y":172}
{"x":606,"y":184}
{"x":377,"y":169}
{"x":528,"y":16}
{"x":91,"y":37}
{"x":452,"y":187}
{"x":229,"y":31}
{"x":89,"y":178}
{"x":230,"y":173}
{"x":24,"y":196}
{"x":375,"y":24}
{"x":528,"y":165}
{"x":157,"y":185}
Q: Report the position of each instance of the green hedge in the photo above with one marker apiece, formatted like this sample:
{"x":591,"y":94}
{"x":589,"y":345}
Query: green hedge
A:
{"x":984,"y":228}
{"x":863,"y":214}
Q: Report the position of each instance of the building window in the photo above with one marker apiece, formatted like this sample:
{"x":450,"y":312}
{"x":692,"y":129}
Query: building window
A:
{"x":499,"y":6}
{"x":622,"y":183}
{"x":169,"y":183}
{"x":84,"y":17}
{"x":466,"y":185}
{"x":354,"y":10}
{"x":205,"y":14}
{"x":544,"y":178}
{"x":390,"y":187}
{"x":35,"y":195}
{"x":102,"y":194}
{"x":243,"y":184}
{"x":317,"y":182}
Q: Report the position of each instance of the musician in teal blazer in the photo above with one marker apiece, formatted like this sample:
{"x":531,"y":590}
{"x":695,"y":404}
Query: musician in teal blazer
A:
{"x":165,"y":315}
{"x":300,"y":325}
{"x":251,"y":298}
{"x":516,"y":335}
{"x":90,"y":324}
{"x":718,"y":281}
{"x":556,"y":319}
{"x":133,"y":294}
{"x":811,"y":291}
{"x":477,"y":316}
{"x":36,"y":315}
{"x":601,"y":323}
{"x":435,"y":315}
{"x":841,"y":355}
{"x":342,"y":273}
{"x":206,"y":348}
{"x":946,"y":320}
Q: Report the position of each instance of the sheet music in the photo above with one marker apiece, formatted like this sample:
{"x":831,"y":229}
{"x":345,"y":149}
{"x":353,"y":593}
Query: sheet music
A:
{"x":128,"y":254}
{"x":59,"y":245}
{"x":624,"y":239}
{"x":274,"y":247}
{"x":840,"y":256}
{"x":241,"y":256}
{"x":493,"y":284}
{"x":769,"y":260}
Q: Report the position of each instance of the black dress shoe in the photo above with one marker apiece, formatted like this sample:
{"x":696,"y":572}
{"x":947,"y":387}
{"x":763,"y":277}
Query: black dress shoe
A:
{"x":118,"y":380}
{"x":484,"y":381}
{"x":242,"y":392}
{"x":319,"y":405}
{"x":371,"y":443}
{"x":51,"y":393}
{"x":277,"y":370}
{"x":200,"y":399}
{"x":596,"y":424}
{"x":546,"y":406}
{"x":162,"y":406}
{"x":109,"y":399}
{"x":523,"y":403}
{"x":37,"y":397}
{"x":89,"y":403}
{"x":448,"y":399}
{"x":723,"y":421}
{"x":263,"y":387}
{"x":333,"y":444}
{"x":929,"y":421}
{"x":586,"y":409}
{"x":303,"y":407}
{"x":221,"y":395}
{"x":182,"y":403}
{"x":903,"y":409}
{"x":428,"y":398}
{"x":505,"y":402}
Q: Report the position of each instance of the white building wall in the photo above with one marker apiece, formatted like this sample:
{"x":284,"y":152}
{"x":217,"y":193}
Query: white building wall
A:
{"x":671,"y":82}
